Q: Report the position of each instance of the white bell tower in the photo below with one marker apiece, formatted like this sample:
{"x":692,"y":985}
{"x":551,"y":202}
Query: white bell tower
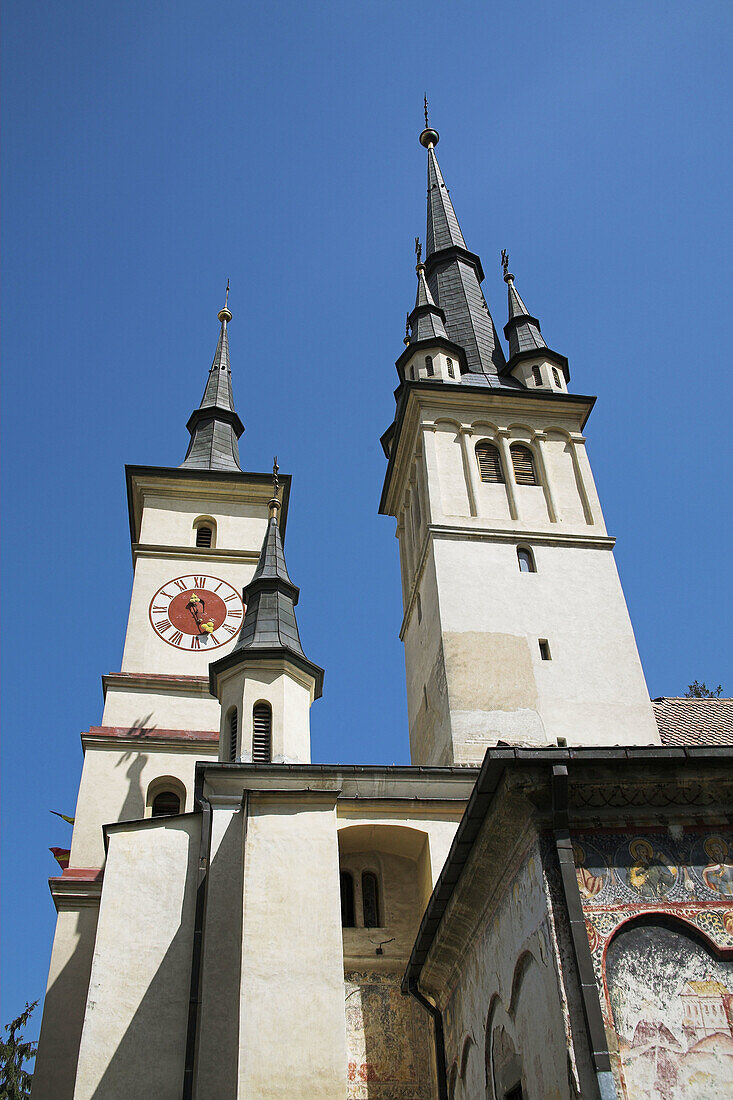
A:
{"x":515,"y":625}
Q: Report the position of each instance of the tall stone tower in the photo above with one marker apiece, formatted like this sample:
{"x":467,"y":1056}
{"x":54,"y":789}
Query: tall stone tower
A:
{"x":515,"y":625}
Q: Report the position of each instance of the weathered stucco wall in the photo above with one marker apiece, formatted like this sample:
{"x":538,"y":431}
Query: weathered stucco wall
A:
{"x":659,"y":915}
{"x":134,"y":1034}
{"x":388,"y":1038}
{"x":506,"y":1017}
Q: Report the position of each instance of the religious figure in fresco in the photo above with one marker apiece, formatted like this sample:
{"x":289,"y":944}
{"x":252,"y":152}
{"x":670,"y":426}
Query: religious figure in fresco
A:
{"x":718,"y":875}
{"x":651,"y":875}
{"x":589,"y":883}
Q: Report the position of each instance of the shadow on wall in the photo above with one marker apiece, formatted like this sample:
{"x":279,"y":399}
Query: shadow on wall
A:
{"x":63,"y":1012}
{"x":144,"y":1064}
{"x":148,"y":1060}
{"x":134,"y":805}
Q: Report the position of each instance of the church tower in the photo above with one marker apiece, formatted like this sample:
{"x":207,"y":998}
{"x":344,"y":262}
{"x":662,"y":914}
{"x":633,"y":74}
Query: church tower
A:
{"x":515,"y":625}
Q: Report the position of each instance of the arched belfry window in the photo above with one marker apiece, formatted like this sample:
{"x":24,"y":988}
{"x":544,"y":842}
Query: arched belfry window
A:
{"x":164,"y":803}
{"x":556,"y":376}
{"x":233,"y":729}
{"x":525,"y":557}
{"x":537,"y":375}
{"x":205,"y":528}
{"x":347,"y":900}
{"x":523,"y":463}
{"x":429,"y":366}
{"x":489,"y":462}
{"x":451,"y":372}
{"x":370,"y":899}
{"x":261,"y":733}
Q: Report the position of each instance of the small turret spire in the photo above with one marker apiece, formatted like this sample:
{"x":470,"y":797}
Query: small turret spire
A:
{"x":427,"y":321}
{"x":215,"y":427}
{"x":521,"y":330}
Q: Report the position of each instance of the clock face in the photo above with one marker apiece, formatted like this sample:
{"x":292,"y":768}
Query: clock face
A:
{"x":195,"y":613}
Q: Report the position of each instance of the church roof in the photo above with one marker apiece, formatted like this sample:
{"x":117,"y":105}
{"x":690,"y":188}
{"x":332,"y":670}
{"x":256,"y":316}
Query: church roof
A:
{"x":215,"y":427}
{"x":694,"y":721}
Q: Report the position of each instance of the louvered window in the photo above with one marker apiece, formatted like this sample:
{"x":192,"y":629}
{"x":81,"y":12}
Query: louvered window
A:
{"x":203,"y":536}
{"x":167,"y":802}
{"x":370,"y":899}
{"x":262,"y":733}
{"x":489,"y":462}
{"x":523,"y":463}
{"x":233,"y":731}
{"x":451,"y":372}
{"x":556,"y":376}
{"x":429,"y":365}
{"x":347,"y":900}
{"x":537,"y":375}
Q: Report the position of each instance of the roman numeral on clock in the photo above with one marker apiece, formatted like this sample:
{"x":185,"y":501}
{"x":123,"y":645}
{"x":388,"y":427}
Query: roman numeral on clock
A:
{"x":163,"y":625}
{"x":196,"y":642}
{"x":199,"y":582}
{"x":181,"y":584}
{"x":176,"y":638}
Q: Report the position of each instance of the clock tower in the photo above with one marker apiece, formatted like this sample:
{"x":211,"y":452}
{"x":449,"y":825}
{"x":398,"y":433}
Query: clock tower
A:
{"x":197,"y":533}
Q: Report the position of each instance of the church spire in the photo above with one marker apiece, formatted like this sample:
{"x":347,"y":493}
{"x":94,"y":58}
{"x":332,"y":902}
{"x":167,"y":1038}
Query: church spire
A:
{"x":426,"y":322}
{"x":526,"y":342}
{"x":215,"y":427}
{"x":521,"y":330}
{"x":454,"y":274}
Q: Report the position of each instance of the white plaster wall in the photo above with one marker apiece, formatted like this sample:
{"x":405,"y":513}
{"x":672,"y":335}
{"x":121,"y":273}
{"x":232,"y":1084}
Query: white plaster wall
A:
{"x":131,"y":707}
{"x":218,"y":1050}
{"x":65,"y":1002}
{"x":169,"y":521}
{"x":289,"y":698}
{"x":452,"y":480}
{"x":134,"y":1035}
{"x":454,"y":472}
{"x":114,"y":783}
{"x":292,"y":1038}
{"x":591,"y":692}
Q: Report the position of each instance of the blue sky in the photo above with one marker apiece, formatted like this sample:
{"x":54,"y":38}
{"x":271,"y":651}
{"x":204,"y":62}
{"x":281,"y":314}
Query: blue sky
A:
{"x":154,"y":150}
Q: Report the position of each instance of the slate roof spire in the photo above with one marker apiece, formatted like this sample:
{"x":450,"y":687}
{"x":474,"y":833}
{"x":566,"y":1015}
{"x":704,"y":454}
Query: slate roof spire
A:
{"x":454,"y":274}
{"x":426,"y":322}
{"x":522,"y":330}
{"x":215,"y":427}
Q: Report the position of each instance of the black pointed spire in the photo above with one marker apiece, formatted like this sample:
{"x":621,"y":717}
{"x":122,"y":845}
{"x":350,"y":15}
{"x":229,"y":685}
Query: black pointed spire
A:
{"x":270,"y":628}
{"x":522,"y":330}
{"x":215,"y":427}
{"x":426,"y":322}
{"x":454,"y":275}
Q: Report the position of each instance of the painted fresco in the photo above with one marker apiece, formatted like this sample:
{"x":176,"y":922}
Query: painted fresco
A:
{"x":672,"y":1005}
{"x":657,"y":982}
{"x":389,"y":1054}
